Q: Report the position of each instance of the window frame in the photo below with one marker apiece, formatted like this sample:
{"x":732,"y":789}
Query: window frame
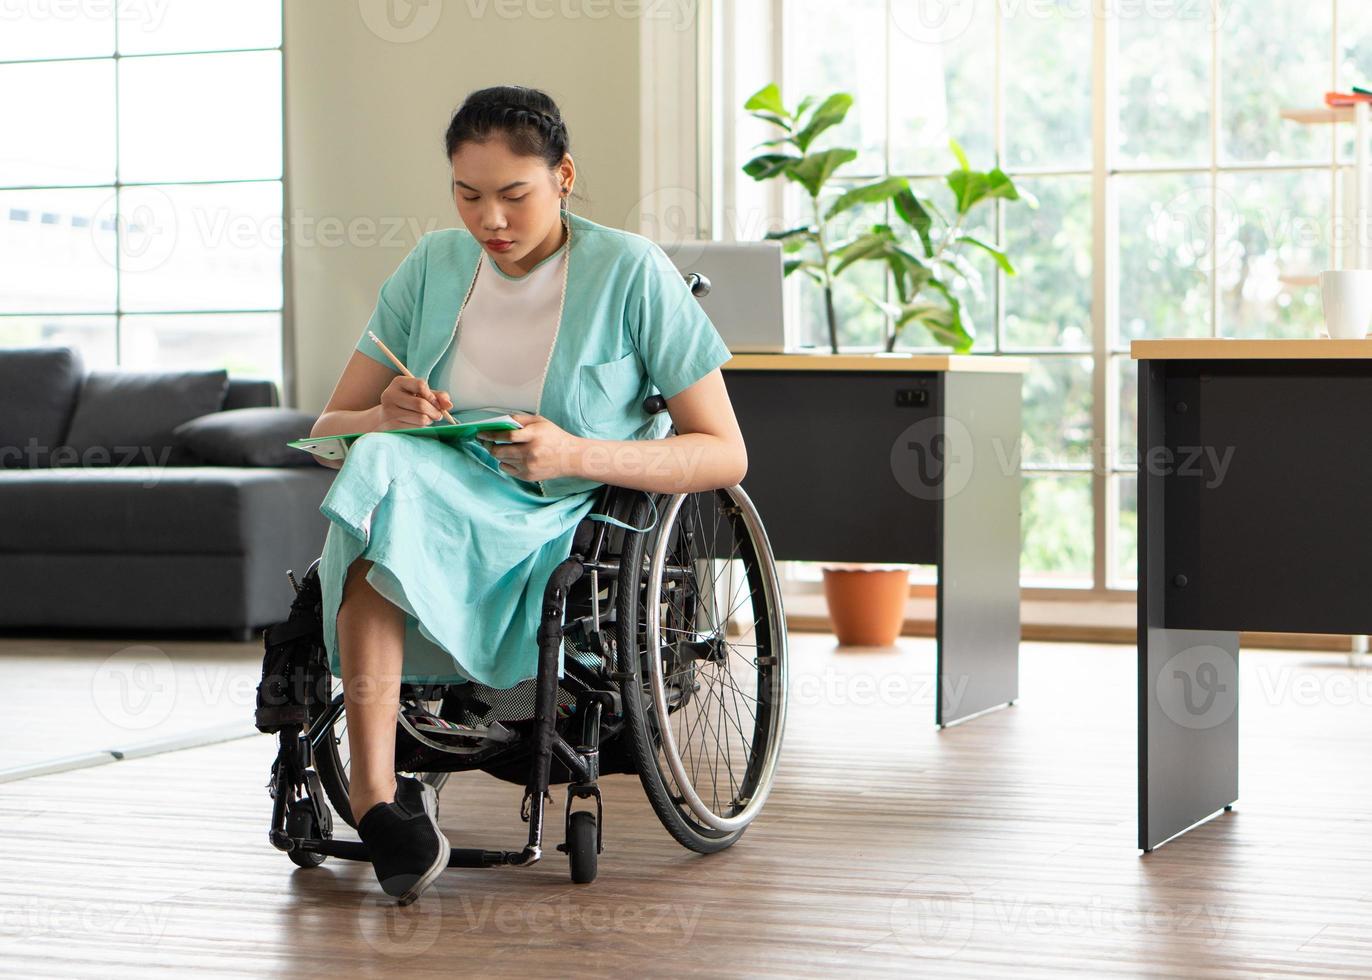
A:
{"x":1105,"y":350}
{"x":116,"y":187}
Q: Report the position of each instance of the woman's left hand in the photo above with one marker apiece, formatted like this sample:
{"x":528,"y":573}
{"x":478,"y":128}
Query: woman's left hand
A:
{"x":539,"y":451}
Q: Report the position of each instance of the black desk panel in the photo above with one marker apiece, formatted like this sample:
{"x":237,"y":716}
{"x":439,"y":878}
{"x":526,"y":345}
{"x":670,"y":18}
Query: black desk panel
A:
{"x":826,"y":484}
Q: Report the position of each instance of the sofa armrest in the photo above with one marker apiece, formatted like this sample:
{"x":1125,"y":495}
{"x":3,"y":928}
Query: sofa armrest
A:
{"x":247,"y":437}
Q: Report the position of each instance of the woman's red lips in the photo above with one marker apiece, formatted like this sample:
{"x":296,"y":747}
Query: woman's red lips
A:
{"x":499,"y":244}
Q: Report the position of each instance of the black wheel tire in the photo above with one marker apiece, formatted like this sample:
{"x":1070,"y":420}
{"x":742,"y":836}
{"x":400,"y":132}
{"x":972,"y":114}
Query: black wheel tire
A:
{"x":305,"y":859}
{"x":687,"y":831}
{"x":329,"y":764}
{"x":581,"y":842}
{"x":300,"y":822}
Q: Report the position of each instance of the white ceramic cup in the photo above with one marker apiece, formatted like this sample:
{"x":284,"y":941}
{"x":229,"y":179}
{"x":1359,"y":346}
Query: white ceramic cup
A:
{"x":1347,"y":296}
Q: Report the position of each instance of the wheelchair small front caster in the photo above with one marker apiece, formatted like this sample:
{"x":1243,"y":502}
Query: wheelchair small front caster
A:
{"x":301,"y":823}
{"x":581,"y":846}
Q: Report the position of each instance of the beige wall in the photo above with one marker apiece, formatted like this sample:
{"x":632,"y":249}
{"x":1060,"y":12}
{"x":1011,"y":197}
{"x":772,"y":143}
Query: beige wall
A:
{"x":366,"y":112}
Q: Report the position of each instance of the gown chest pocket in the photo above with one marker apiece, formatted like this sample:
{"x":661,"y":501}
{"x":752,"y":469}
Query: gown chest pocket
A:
{"x":609,"y":396}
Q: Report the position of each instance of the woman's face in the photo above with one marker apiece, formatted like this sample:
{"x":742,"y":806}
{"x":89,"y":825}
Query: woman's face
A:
{"x":509,"y":203}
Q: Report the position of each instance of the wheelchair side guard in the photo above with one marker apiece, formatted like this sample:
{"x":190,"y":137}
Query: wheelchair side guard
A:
{"x":295,"y":670}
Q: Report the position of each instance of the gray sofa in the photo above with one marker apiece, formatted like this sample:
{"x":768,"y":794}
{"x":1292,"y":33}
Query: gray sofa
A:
{"x":118,"y":513}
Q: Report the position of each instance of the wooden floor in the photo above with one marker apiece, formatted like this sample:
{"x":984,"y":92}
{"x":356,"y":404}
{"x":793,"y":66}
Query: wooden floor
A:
{"x":1001,"y":847}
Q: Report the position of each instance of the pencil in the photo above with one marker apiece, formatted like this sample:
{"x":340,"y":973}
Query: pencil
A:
{"x":403,"y":369}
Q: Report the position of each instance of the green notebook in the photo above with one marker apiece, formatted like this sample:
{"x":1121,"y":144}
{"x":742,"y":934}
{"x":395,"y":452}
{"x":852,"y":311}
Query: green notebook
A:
{"x":336,"y":447}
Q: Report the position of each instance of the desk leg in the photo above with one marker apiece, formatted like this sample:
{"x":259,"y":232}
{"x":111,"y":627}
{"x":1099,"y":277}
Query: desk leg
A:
{"x":1188,"y":729}
{"x":978,"y":577}
{"x":1188,"y":688}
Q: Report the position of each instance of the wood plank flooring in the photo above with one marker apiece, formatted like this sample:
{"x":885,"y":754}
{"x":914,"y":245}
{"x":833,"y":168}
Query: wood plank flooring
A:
{"x":1000,"y":847}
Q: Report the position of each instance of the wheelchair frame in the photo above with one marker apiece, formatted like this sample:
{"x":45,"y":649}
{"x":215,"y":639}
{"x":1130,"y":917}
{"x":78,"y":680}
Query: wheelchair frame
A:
{"x":301,"y":822}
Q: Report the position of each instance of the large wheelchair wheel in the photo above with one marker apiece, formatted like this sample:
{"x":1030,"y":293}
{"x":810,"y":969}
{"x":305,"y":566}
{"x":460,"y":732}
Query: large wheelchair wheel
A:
{"x":332,"y":760}
{"x":706,"y":706}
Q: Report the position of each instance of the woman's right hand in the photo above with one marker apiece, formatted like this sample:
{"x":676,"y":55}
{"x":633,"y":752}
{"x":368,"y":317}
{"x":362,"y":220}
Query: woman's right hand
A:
{"x":408,"y":403}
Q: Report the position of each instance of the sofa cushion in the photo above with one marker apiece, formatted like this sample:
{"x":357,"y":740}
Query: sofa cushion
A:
{"x":126,"y":418}
{"x":38,"y":386}
{"x":154,"y":509}
{"x":251,"y":393}
{"x":247,"y":437}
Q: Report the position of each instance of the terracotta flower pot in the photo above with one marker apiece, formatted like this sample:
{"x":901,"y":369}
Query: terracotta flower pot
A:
{"x":866,"y":603}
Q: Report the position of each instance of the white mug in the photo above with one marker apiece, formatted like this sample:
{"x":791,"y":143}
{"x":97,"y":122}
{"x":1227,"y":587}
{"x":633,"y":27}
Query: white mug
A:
{"x":1347,"y":296}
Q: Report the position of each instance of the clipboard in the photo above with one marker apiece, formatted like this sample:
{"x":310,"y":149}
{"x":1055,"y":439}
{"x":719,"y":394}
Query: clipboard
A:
{"x":336,"y":447}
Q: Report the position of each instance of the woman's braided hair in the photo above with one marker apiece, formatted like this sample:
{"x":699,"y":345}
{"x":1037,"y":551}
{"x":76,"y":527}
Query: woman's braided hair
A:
{"x":527,"y":118}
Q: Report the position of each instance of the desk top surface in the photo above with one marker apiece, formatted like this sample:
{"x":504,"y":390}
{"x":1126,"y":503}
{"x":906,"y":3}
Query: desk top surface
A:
{"x":1220,"y":348}
{"x":878,"y":362}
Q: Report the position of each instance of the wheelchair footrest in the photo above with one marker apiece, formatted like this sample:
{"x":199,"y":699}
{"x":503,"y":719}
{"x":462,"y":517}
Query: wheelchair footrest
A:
{"x":458,"y":857}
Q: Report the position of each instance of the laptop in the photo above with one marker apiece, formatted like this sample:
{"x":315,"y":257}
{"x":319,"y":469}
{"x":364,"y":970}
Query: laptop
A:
{"x":744,"y":302}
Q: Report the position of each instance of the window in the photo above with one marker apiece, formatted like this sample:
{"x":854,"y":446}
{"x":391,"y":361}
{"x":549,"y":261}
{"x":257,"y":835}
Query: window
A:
{"x":141,"y":214}
{"x":1175,"y":199}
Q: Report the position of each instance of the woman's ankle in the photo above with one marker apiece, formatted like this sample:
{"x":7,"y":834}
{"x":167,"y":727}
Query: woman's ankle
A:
{"x":363,"y":798}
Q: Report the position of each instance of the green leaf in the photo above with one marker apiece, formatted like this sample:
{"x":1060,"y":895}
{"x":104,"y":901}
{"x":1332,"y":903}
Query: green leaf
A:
{"x":867,"y":194}
{"x":968,"y":187}
{"x":957,"y":152}
{"x":813,"y":170}
{"x":1001,"y":258}
{"x":946,"y":324}
{"x":767,"y":99}
{"x":780,"y":140}
{"x":805,"y":103}
{"x":913,"y":213}
{"x":773,"y":119}
{"x":791,"y":265}
{"x":972,"y":186}
{"x":769,"y":165}
{"x":798,"y":230}
{"x":872,"y":244}
{"x":909,"y":273}
{"x":830,"y":113}
{"x":1001,"y":185}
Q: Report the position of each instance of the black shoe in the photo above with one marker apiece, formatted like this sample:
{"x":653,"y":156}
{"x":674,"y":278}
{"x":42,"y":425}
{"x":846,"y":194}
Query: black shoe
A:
{"x":407,"y":848}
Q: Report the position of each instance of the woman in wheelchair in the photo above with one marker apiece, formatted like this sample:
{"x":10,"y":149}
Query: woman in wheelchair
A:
{"x":589,"y":593}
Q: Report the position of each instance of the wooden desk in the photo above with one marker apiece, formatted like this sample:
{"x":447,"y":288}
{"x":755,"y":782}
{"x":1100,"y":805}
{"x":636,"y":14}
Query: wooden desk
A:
{"x":1254,"y":477}
{"x":899,"y":459}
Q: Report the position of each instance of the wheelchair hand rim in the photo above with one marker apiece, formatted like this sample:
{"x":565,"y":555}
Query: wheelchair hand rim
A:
{"x":772,"y":596}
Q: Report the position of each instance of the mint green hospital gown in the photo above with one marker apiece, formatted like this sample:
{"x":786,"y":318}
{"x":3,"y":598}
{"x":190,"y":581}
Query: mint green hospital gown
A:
{"x":463,"y":548}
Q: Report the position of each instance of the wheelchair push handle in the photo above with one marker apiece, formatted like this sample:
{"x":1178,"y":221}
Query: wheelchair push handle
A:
{"x":700,"y":285}
{"x":654,"y":404}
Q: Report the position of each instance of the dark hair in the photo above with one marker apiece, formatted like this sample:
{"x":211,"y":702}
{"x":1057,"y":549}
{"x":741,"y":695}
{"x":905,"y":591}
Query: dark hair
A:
{"x":527,"y":118}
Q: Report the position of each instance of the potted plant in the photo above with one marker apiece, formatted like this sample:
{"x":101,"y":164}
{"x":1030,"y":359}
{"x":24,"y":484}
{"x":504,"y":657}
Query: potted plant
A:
{"x":925,"y":256}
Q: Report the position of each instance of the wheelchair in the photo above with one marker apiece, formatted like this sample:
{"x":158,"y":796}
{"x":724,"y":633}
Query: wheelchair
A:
{"x":673,"y":648}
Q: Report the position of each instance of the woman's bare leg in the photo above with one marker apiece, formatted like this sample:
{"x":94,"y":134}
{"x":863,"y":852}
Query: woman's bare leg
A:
{"x":371,"y":648}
